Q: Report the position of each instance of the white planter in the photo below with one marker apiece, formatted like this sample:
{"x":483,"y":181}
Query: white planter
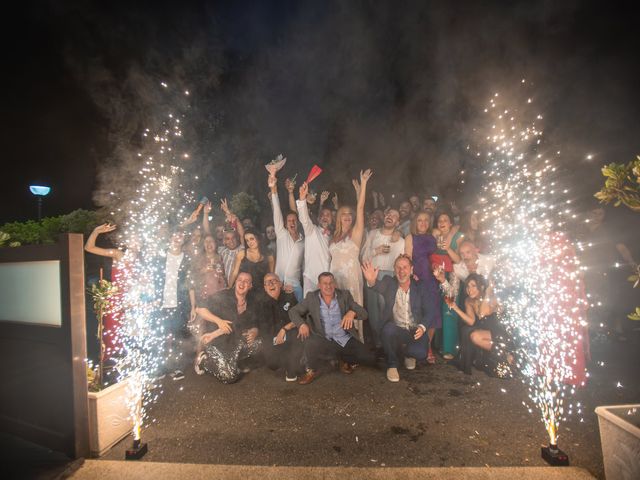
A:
{"x":620,"y":438}
{"x":109,"y":420}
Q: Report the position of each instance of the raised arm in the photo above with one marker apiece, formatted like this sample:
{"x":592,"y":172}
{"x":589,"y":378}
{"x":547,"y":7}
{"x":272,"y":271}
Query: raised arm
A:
{"x":290,"y":186}
{"x":236,"y":267}
{"x":90,"y":245}
{"x":278,"y":222}
{"x":303,"y":210}
{"x":206,"y":226}
{"x":358,"y":228}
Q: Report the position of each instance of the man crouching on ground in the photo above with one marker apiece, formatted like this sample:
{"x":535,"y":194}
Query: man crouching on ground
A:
{"x":325,"y":324}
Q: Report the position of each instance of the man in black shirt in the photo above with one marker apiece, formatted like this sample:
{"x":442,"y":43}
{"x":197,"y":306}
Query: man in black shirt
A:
{"x":280,"y":344}
{"x":230,"y":331}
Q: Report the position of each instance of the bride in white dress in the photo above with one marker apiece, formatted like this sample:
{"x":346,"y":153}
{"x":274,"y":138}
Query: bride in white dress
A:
{"x":346,"y":243}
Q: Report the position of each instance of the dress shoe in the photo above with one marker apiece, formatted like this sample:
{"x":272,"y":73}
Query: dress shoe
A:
{"x":308,"y":377}
{"x":345,"y":367}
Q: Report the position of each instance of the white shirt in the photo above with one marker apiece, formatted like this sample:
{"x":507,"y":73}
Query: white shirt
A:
{"x":317,"y":258}
{"x":170,"y":294}
{"x":289,"y":252}
{"x":402,"y":314}
{"x":383,"y":261}
{"x":484,"y":267}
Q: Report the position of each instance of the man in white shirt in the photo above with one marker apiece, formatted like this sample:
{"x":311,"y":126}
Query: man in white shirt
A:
{"x":409,"y":311}
{"x":382,"y":247}
{"x":175,"y":299}
{"x":317,"y":258}
{"x":289,"y":244}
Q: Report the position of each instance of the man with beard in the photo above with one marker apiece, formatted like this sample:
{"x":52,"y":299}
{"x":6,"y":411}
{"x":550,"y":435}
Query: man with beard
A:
{"x":405,"y":218}
{"x":316,"y":241}
{"x":289,"y":243}
{"x":381,"y":248}
{"x":408,"y":312}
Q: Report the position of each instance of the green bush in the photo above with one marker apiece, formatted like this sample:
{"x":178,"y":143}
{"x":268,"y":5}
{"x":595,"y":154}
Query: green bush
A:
{"x":46,"y":231}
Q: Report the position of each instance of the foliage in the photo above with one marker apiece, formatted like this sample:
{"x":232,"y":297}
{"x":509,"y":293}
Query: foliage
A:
{"x":46,"y":231}
{"x":244,"y":205}
{"x":622,"y":184}
{"x":4,"y":240}
{"x":101,"y":294}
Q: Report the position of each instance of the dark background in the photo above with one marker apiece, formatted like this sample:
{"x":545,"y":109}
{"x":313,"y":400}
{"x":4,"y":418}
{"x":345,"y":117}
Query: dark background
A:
{"x":396,"y":86}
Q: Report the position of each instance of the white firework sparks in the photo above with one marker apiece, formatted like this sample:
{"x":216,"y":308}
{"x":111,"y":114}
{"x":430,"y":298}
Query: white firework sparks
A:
{"x":160,"y":204}
{"x":537,"y":277}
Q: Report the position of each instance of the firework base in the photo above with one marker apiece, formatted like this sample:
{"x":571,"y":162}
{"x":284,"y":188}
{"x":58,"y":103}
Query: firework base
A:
{"x":554,"y":456}
{"x":137,"y":451}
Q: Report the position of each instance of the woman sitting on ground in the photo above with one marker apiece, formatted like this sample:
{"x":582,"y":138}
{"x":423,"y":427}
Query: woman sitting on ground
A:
{"x":485,"y":331}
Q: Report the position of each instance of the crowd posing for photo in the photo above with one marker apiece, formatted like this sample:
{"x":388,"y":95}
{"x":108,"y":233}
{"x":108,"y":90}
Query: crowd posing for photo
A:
{"x":329,"y":286}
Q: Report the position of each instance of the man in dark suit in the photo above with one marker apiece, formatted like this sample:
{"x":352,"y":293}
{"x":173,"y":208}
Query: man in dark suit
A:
{"x":325,"y":324}
{"x":408,"y":312}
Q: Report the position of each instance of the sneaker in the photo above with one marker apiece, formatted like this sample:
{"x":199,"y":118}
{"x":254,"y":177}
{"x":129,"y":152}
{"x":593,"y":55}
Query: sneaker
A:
{"x":409,"y":363}
{"x":447,"y":356}
{"x":287,"y":378}
{"x":177,"y":375}
{"x":392,"y":375}
{"x":197,"y":365}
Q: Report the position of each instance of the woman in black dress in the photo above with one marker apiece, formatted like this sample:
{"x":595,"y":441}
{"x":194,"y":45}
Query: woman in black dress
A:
{"x":254,"y":259}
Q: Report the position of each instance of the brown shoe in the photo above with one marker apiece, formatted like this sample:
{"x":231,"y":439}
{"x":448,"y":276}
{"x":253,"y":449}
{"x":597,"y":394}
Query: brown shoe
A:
{"x":345,"y":367}
{"x":308,"y":377}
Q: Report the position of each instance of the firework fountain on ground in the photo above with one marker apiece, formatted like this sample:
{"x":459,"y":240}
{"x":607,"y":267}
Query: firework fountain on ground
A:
{"x":526,"y":213}
{"x":159,"y":205}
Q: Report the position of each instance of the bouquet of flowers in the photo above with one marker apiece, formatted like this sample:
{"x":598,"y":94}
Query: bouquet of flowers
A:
{"x":276,"y":164}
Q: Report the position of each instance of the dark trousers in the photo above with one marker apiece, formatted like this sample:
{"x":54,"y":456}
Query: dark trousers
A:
{"x":286,"y":355}
{"x":395,"y":337}
{"x":468,"y":351}
{"x":318,"y":349}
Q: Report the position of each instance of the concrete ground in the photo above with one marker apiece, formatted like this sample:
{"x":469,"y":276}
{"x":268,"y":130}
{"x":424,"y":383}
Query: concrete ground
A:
{"x":117,"y":470}
{"x":434,"y":417}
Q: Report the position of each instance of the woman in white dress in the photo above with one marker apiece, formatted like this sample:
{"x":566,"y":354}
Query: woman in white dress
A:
{"x":345,"y":245}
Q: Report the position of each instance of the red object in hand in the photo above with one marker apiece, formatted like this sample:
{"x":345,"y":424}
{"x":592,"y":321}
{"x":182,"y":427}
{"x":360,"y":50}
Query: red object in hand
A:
{"x":315,"y":171}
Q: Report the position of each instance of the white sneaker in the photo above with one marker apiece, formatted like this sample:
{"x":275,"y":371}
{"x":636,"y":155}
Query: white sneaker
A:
{"x":392,"y":375}
{"x":290,"y":379}
{"x":409,"y":363}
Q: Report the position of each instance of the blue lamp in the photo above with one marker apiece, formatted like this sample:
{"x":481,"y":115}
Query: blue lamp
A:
{"x":39,"y":191}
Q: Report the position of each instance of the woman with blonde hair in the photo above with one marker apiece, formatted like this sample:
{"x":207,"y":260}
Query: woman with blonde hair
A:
{"x":346,"y":243}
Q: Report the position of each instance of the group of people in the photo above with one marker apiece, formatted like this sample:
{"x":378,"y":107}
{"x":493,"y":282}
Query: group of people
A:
{"x":330,"y":286}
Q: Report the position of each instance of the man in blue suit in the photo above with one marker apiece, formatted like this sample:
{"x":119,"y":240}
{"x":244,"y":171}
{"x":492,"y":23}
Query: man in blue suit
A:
{"x":408,"y":313}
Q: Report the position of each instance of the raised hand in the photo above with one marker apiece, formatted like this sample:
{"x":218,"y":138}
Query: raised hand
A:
{"x":335,"y":201}
{"x":224,"y":206}
{"x":289,"y":185}
{"x":304,"y":190}
{"x":207,"y":208}
{"x":324,"y":196}
{"x":272,"y":181}
{"x":370,"y":273}
{"x":105,"y":228}
{"x":366,"y":175}
{"x":356,"y":186}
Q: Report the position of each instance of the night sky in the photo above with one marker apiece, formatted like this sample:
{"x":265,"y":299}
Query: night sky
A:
{"x":392,"y":85}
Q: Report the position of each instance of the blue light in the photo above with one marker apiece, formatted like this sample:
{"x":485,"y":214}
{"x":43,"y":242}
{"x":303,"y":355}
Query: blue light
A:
{"x":39,"y":190}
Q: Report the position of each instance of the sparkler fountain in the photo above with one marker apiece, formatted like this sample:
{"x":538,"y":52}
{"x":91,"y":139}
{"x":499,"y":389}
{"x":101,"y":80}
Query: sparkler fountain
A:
{"x":537,"y":277}
{"x":160,"y":202}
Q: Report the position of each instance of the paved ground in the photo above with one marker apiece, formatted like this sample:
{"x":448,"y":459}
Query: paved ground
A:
{"x":117,"y":470}
{"x":435,"y":417}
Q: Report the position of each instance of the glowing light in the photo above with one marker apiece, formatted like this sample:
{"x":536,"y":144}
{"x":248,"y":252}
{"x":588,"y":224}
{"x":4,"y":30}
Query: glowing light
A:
{"x":537,"y":278}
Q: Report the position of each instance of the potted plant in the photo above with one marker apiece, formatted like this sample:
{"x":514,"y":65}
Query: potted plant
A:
{"x":109,"y":419}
